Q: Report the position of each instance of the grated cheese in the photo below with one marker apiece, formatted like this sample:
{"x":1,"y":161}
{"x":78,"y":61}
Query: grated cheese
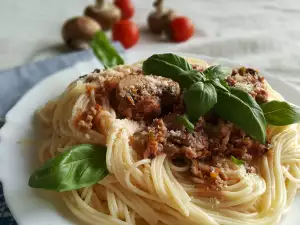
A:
{"x":245,"y":87}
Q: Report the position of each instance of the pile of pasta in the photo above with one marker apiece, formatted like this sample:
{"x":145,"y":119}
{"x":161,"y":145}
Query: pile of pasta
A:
{"x":141,"y":191}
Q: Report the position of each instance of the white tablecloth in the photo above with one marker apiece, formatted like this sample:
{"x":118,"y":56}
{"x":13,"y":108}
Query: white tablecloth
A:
{"x":263,"y":33}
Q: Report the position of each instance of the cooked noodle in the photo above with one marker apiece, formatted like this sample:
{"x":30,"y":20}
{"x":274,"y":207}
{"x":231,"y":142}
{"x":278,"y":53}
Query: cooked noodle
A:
{"x":141,"y":191}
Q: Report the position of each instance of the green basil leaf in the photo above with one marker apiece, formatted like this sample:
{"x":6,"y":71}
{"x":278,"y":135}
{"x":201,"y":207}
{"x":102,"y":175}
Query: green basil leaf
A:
{"x":219,"y":84}
{"x":156,"y":66}
{"x":237,"y":161}
{"x":79,"y":166}
{"x":161,"y":68}
{"x":281,"y":113}
{"x":187,"y":78}
{"x":216,"y":71}
{"x":224,"y":84}
{"x":199,"y":99}
{"x":240,"y":108}
{"x":172,"y":59}
{"x":104,"y":51}
{"x":185,"y":122}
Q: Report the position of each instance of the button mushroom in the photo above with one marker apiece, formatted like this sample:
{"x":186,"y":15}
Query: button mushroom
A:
{"x":78,"y":32}
{"x":106,"y":14}
{"x":158,"y":19}
{"x":146,"y":97}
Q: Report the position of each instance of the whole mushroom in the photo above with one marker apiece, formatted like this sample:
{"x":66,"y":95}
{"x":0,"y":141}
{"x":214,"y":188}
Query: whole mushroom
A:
{"x":77,"y":32}
{"x":105,"y":13}
{"x":158,"y":20}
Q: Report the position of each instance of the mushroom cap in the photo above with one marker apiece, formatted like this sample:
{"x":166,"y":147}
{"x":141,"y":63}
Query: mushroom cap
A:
{"x":78,"y":31}
{"x":106,"y":16}
{"x":146,"y":96}
{"x":155,"y":23}
{"x":158,"y":21}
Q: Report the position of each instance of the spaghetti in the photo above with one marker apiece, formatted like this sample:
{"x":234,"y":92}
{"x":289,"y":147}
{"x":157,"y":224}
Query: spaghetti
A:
{"x":158,"y":190}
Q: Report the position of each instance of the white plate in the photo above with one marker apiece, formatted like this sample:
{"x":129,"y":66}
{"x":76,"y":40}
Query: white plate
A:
{"x":17,"y":160}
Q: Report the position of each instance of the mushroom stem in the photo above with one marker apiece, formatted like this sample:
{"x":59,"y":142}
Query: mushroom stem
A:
{"x":159,"y":5}
{"x":99,"y":3}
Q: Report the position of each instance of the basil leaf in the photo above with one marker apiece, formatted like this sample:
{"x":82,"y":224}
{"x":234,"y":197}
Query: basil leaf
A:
{"x":104,"y":51}
{"x":160,"y":68}
{"x":237,"y":161}
{"x":240,"y":108}
{"x":224,"y":84}
{"x":219,"y":84}
{"x":199,"y":99}
{"x":163,"y":68}
{"x":186,"y":123}
{"x":281,"y":113}
{"x":172,"y":59}
{"x":79,"y":166}
{"x":216,"y":71}
{"x":187,"y":78}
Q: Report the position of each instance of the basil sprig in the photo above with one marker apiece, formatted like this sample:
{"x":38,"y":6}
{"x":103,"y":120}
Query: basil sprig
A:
{"x":199,"y":98}
{"x":240,"y":108}
{"x":172,"y":66}
{"x":216,"y":71}
{"x":104,"y":51}
{"x":281,"y":113}
{"x":167,"y":63}
{"x":207,"y":90}
{"x":79,"y":166}
{"x":200,"y":95}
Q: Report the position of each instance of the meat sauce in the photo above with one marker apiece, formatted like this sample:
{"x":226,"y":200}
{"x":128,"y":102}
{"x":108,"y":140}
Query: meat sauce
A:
{"x":156,"y":102}
{"x":146,"y":97}
{"x":251,"y":78}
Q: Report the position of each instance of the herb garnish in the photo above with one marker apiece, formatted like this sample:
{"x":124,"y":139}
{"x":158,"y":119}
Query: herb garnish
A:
{"x":207,"y":90}
{"x":199,"y":98}
{"x":240,"y":108}
{"x":79,"y":166}
{"x":237,"y":161}
{"x":186,"y":123}
{"x":104,"y":51}
{"x":174,"y":67}
{"x":216,"y":71}
{"x":281,"y":113}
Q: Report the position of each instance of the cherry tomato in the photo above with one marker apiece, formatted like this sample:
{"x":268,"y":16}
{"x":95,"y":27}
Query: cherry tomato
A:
{"x":126,"y":8}
{"x":126,"y":32}
{"x":181,"y":29}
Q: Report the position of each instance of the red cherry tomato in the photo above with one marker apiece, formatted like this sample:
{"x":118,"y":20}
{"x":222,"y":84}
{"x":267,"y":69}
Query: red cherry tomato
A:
{"x":126,"y":32}
{"x":181,"y":29}
{"x":126,"y":7}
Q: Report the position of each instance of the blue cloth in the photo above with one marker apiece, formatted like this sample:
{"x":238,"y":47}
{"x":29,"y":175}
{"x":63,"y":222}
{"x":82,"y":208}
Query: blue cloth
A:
{"x":17,"y":81}
{"x":5,"y":216}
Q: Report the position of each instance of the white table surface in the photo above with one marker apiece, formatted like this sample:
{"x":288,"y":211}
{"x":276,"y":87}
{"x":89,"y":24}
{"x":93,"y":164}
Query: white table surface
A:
{"x":264,"y":33}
